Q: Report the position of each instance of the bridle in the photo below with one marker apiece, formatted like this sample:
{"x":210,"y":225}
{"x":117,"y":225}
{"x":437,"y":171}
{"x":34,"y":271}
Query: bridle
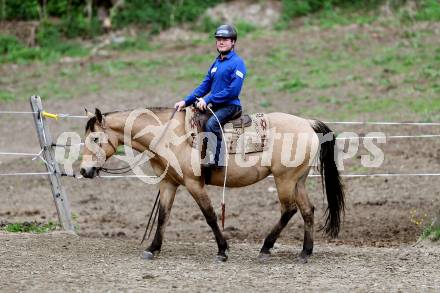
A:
{"x":129,"y":168}
{"x":121,"y":170}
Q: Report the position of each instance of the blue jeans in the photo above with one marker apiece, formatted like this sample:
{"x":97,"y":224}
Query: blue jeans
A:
{"x":224,"y":114}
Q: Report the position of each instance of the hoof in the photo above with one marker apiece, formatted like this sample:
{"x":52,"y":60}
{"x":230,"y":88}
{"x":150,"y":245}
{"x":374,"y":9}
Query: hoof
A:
{"x":221,"y":258}
{"x":303,"y":257}
{"x":147,"y":255}
{"x":262,"y":257}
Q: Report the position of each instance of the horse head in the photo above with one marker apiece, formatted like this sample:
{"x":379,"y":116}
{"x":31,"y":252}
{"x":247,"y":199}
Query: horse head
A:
{"x":100,"y":144}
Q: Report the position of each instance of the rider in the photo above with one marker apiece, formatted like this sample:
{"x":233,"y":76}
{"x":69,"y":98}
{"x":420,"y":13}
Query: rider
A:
{"x":223,"y":82}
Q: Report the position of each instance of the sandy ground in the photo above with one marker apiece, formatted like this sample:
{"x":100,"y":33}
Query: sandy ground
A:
{"x":89,"y":265}
{"x":373,"y":253}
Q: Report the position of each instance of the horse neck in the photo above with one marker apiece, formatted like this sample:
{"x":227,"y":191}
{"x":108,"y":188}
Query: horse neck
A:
{"x":118,"y":120}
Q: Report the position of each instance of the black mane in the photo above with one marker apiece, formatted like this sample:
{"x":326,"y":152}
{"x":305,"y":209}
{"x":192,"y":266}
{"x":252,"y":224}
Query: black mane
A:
{"x":92,"y":121}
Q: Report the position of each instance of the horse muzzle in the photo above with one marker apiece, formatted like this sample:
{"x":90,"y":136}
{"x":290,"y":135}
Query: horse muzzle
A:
{"x":89,"y":172}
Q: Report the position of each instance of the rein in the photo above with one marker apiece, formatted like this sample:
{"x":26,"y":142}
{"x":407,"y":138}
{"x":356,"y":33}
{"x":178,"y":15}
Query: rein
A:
{"x":128,"y":168}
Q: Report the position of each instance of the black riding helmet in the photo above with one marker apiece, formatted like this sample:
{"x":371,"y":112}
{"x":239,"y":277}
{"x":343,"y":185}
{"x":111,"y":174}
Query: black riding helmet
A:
{"x":226,"y":31}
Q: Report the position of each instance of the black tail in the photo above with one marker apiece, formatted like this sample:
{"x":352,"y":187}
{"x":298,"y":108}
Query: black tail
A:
{"x":331,"y":181}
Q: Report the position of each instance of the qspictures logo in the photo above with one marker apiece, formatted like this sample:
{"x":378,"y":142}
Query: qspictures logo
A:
{"x":162,"y":140}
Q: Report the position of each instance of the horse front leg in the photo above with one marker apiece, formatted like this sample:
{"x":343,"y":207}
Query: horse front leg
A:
{"x":167,"y":195}
{"x":200,"y":195}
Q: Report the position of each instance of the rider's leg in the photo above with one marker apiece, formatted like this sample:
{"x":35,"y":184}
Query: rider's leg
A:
{"x":223,"y":114}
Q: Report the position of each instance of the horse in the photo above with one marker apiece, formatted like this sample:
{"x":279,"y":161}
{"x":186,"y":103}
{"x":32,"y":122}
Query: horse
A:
{"x":290,"y":180}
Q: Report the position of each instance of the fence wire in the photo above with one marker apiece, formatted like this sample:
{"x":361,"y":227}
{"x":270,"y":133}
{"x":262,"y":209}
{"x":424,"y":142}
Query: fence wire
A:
{"x":65,"y":115}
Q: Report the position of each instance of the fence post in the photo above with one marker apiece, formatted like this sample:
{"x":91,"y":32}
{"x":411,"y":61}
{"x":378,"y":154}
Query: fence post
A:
{"x":45,"y":139}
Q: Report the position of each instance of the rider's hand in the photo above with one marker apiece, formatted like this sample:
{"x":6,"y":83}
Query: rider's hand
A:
{"x":201,"y":104}
{"x":180,"y":105}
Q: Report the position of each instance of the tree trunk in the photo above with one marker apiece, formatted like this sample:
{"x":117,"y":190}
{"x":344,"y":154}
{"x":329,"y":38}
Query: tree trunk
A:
{"x":43,"y":10}
{"x":69,"y":9}
{"x":90,"y":11}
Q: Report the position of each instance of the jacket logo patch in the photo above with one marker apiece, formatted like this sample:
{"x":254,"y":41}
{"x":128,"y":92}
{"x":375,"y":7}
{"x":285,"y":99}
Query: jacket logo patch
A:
{"x":239,"y":73}
{"x":213,"y":70}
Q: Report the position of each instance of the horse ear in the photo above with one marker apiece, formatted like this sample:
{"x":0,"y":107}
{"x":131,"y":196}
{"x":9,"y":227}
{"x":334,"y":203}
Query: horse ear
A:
{"x":100,"y":118}
{"x":98,"y":115}
{"x":89,"y":114}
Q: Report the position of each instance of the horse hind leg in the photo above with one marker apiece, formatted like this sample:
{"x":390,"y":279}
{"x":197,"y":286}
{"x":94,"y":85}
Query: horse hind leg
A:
{"x":285,"y":190}
{"x":307,"y":211}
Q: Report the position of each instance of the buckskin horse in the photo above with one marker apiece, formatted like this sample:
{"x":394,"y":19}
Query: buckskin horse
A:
{"x":290,"y":180}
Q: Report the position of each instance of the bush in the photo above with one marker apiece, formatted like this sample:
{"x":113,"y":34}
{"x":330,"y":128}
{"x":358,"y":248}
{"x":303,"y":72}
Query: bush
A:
{"x":160,"y":14}
{"x":429,"y":10}
{"x":12,"y":50}
{"x":74,"y":21}
{"x":9,"y":44}
{"x":51,"y":47}
{"x":48,"y":35}
{"x":77,"y":25}
{"x":20,"y":9}
{"x":291,"y":9}
{"x":206,"y":25}
{"x":60,"y":8}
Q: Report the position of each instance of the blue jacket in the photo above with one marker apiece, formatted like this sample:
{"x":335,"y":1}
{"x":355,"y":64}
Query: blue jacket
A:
{"x":223,"y":80}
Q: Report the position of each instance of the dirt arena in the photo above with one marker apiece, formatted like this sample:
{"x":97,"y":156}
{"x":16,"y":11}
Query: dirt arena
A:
{"x":376,"y":249}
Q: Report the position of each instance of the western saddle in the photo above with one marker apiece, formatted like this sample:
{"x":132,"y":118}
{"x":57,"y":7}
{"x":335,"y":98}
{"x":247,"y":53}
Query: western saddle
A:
{"x":245,"y":133}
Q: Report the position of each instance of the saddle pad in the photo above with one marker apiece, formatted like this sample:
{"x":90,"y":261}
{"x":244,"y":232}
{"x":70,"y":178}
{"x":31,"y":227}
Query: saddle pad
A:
{"x":254,"y":140}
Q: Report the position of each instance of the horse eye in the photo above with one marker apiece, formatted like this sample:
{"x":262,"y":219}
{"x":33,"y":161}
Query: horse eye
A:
{"x":95,"y":140}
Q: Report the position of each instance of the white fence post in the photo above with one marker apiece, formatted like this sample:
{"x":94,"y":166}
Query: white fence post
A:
{"x":59,"y":195}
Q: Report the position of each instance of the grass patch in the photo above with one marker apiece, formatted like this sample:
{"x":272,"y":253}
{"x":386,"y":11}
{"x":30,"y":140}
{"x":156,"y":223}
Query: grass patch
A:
{"x":190,"y":73}
{"x":317,"y":111}
{"x":6,"y":96}
{"x":120,"y":67}
{"x":366,"y":104}
{"x":244,"y":28}
{"x":428,"y":109}
{"x":265,"y":104}
{"x":429,"y":11}
{"x":259,"y":82}
{"x":13,"y":51}
{"x":277,"y":56}
{"x":30,"y":227}
{"x":432,"y":233}
{"x":140,"y":43}
{"x":329,"y":100}
{"x":329,"y":18}
{"x":323,"y":82}
{"x":292,"y":85}
{"x":202,"y":58}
